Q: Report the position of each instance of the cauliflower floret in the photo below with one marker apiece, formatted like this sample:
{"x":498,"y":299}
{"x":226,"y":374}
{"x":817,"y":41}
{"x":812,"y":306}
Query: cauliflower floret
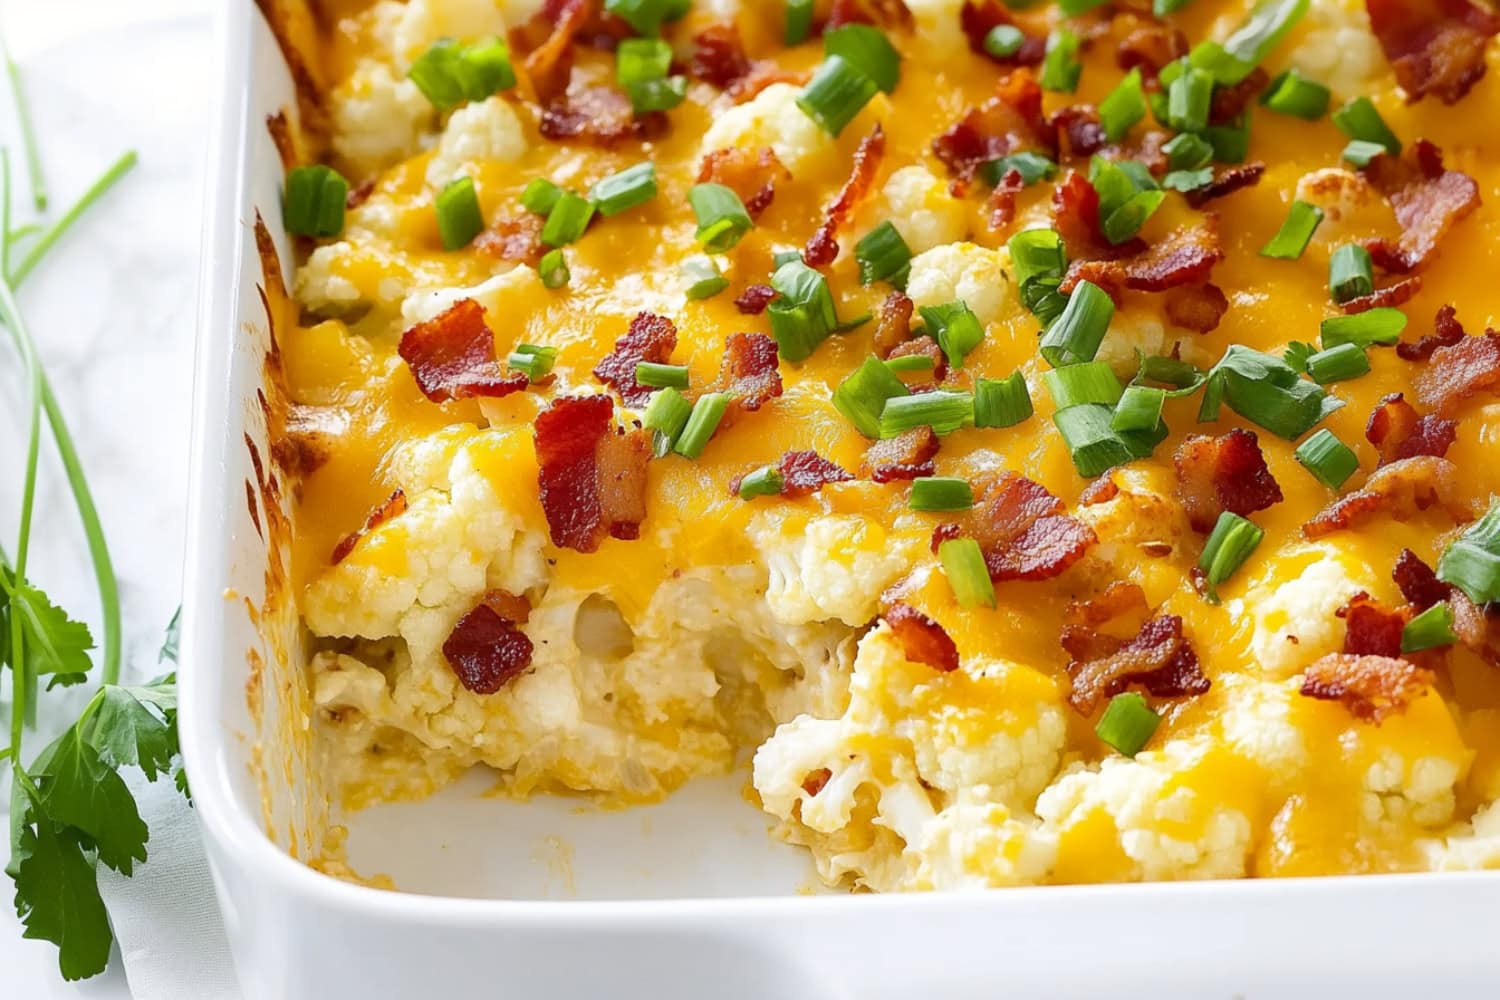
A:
{"x":1133,"y":329}
{"x":835,"y":568}
{"x":938,"y":22}
{"x":922,"y":209}
{"x":1337,"y":47}
{"x":1294,"y":604}
{"x":1470,"y":847}
{"x":488,"y":130}
{"x":1420,"y":791}
{"x":429,"y":303}
{"x":772,"y":119}
{"x":419,"y":23}
{"x":977,"y":844}
{"x":961,"y":271}
{"x":1257,"y":720}
{"x":378,"y":118}
{"x":320,"y":288}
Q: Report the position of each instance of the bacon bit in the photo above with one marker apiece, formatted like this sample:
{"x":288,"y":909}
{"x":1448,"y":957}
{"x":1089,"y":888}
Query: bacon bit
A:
{"x":1186,"y":257}
{"x":762,"y":75}
{"x":518,"y":239}
{"x":1402,"y":488}
{"x":550,"y":64}
{"x":1118,"y":599}
{"x":816,"y":781}
{"x":754,"y":299}
{"x":1102,"y":490}
{"x":592,"y":475}
{"x":601,"y":116}
{"x":1397,"y":432}
{"x":1370,"y":628}
{"x":1428,"y":200}
{"x":823,"y":247}
{"x":1370,"y":687}
{"x":922,"y":639}
{"x":1476,"y":627}
{"x":1159,"y":659}
{"x":751,"y":174}
{"x":1418,"y":582}
{"x":486,"y":651}
{"x":393,"y":506}
{"x":1199,"y":308}
{"x":979,"y":17}
{"x":1002,"y":201}
{"x":452,"y":356}
{"x":1075,"y":212}
{"x":1395,"y":294}
{"x":512,"y":607}
{"x":1447,"y":331}
{"x":1223,"y":473}
{"x":1458,"y":371}
{"x":1151,"y":47}
{"x":894,"y":328}
{"x":1078,"y":131}
{"x":649,"y":338}
{"x":748,"y":373}
{"x":927,"y":348}
{"x":1009,"y":121}
{"x":719,"y":55}
{"x":903,"y":457}
{"x":1230,"y":102}
{"x":1435,"y":46}
{"x":1022,"y":531}
{"x":804,"y":473}
{"x":1227,"y":182}
{"x":1149,"y":149}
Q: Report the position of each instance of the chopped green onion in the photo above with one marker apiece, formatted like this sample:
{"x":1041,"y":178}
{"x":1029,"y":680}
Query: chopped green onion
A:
{"x":722,"y":219}
{"x":867,"y":50}
{"x":1351,"y":274}
{"x":1472,"y":562}
{"x":799,"y":18}
{"x":1268,"y":24}
{"x":1127,"y":724}
{"x":1032,"y":167}
{"x":1290,"y":242}
{"x":1189,"y":99}
{"x":1330,"y":460}
{"x":963,"y":565}
{"x":314,"y":201}
{"x":568,"y":220}
{"x":883,"y":256}
{"x":1188,"y":180}
{"x":553,"y":269}
{"x":703,"y":278}
{"x":485,"y":69}
{"x":1128,"y":196}
{"x":1139,"y":409}
{"x":707,"y":412}
{"x":1088,"y":382}
{"x":1429,"y":630}
{"x":1185,"y":379}
{"x":1361,"y":153}
{"x":666,"y":415}
{"x":535,"y":361}
{"x":1359,"y":120}
{"x":459,"y":219}
{"x":862,"y":396}
{"x":1293,"y":94}
{"x":1227,"y":548}
{"x":540,"y":195}
{"x":1039,"y":261}
{"x":1381,"y":325}
{"x":660,"y":376}
{"x":1266,"y":391}
{"x":645,"y":16}
{"x":1093,"y":443}
{"x":1296,"y":355}
{"x":936,"y":493}
{"x":908,"y":363}
{"x":656,"y":95}
{"x":448,"y":74}
{"x":638,"y":60}
{"x":1231,"y":143}
{"x":1004,"y":41}
{"x":765,"y":481}
{"x":625,"y":190}
{"x":1187,"y":151}
{"x":943,"y":410}
{"x":1002,"y":402}
{"x":781,"y":257}
{"x":1075,"y":336}
{"x":1060,"y":67}
{"x":838,"y":91}
{"x":1338,"y":364}
{"x":956,"y":329}
{"x":804,"y":315}
{"x":1123,"y":106}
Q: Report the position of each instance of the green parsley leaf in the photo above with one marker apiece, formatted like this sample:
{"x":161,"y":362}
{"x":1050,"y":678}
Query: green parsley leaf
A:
{"x":169,"y":641}
{"x":126,"y":731}
{"x":79,"y":789}
{"x":57,"y":898}
{"x":54,"y":643}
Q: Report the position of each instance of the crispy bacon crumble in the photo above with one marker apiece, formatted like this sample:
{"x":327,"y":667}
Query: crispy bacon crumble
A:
{"x":1159,"y":659}
{"x":393,"y":506}
{"x":1401,"y":489}
{"x":1370,"y":687}
{"x":1397,"y":431}
{"x":904,"y":457}
{"x":1428,"y":200}
{"x":922,"y":639}
{"x":823,"y":246}
{"x":1022,"y":531}
{"x":1224,"y":473}
{"x":486,"y":650}
{"x":452,"y":356}
{"x":650,"y":338}
{"x":1435,"y":46}
{"x":1459,"y":370}
{"x":749,"y":373}
{"x":592,"y":474}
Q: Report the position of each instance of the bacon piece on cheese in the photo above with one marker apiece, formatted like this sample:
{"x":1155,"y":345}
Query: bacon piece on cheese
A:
{"x":1370,"y":687}
{"x":1022,"y":531}
{"x":452,"y":356}
{"x":750,"y":173}
{"x":518,"y":240}
{"x":485,"y":649}
{"x":1400,"y":489}
{"x":903,"y":457}
{"x":648,"y":338}
{"x":1226,"y":182}
{"x":1185,"y":257}
{"x":1397,"y":431}
{"x":979,"y":17}
{"x":1435,"y":46}
{"x":1458,"y":371}
{"x":1159,"y":659}
{"x":393,"y":506}
{"x":1228,"y":472}
{"x":1447,"y":330}
{"x":823,"y":247}
{"x":1012,"y":120}
{"x":922,"y":639}
{"x":591,"y":475}
{"x":754,"y":299}
{"x":1371,"y":628}
{"x":749,"y":372}
{"x":1428,"y":200}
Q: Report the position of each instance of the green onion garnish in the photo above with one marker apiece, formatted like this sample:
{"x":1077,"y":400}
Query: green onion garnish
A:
{"x":956,"y":329}
{"x":459,"y":219}
{"x":1330,"y":460}
{"x":883,"y":256}
{"x":657,"y":95}
{"x":943,"y":410}
{"x":1185,"y":379}
{"x":1189,"y":99}
{"x":1227,"y":548}
{"x":1429,"y":630}
{"x":707,"y":412}
{"x":1188,"y":180}
{"x":1262,"y":31}
{"x":1381,"y":325}
{"x":1187,"y":151}
{"x":1123,"y":106}
{"x":1032,"y":167}
{"x":1128,"y":196}
{"x":1290,"y":242}
{"x":666,"y":415}
{"x":868,"y":50}
{"x":1351,"y":274}
{"x":625,"y":190}
{"x":1075,"y":336}
{"x":1004,"y":41}
{"x":645,"y":16}
{"x":660,"y":376}
{"x":1001,"y":402}
{"x":963,"y":565}
{"x":1472,"y":562}
{"x":1127,"y":724}
{"x":1139,"y":408}
{"x":799,"y":18}
{"x":1040,"y":261}
{"x":1293,"y":94}
{"x":1161,"y":8}
{"x":703,"y":278}
{"x":448,"y":74}
{"x":540,"y":195}
{"x":1231,"y":143}
{"x":1338,"y":364}
{"x":568,"y":220}
{"x":908,"y":363}
{"x":314,"y":201}
{"x":804,"y":315}
{"x":1073,"y":8}
{"x":1296,"y":355}
{"x":836,"y":93}
{"x":1361,"y":152}
{"x":1359,"y":120}
{"x":938,"y":493}
{"x":1267,"y":391}
{"x":722,"y":219}
{"x":1087,"y":382}
{"x":1093,"y":443}
{"x":535,"y":361}
{"x":862,"y":396}
{"x":553,"y":269}
{"x":638,"y":60}
{"x":1060,"y":67}
{"x":765,"y":481}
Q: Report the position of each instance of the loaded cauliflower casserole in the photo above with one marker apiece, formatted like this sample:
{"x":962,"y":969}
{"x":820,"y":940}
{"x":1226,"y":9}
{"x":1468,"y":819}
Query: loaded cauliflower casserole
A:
{"x":1049,"y":443}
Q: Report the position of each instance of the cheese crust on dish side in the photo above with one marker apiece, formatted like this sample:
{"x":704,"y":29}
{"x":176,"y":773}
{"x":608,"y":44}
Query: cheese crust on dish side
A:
{"x":1205,"y":594}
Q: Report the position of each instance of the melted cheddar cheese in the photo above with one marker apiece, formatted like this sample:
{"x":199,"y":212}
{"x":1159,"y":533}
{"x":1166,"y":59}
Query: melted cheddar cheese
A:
{"x":734,"y":625}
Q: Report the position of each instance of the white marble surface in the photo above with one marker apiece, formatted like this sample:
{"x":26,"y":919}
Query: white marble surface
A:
{"x":113,"y":310}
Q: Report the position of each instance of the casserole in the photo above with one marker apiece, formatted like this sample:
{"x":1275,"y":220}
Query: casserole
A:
{"x":298,"y":932}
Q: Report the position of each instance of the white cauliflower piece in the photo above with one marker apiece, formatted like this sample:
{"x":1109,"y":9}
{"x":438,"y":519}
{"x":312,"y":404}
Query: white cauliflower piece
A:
{"x":1133,"y":329}
{"x":420,"y":23}
{"x":1294,"y":603}
{"x":922,"y":209}
{"x":938,"y":23}
{"x":978,"y":844}
{"x":1257,"y":722}
{"x":379,"y":118}
{"x":1419,"y":791}
{"x":429,"y":303}
{"x":834,"y":569}
{"x":772,"y":119}
{"x":961,"y":271}
{"x":1337,"y":47}
{"x":1470,"y":847}
{"x":320,"y":288}
{"x":487,"y":131}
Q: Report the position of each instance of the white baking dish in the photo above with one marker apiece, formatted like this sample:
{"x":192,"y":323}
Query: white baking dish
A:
{"x":687,"y":899}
